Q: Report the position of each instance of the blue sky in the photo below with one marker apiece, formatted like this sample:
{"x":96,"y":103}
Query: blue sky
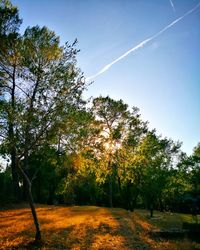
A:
{"x":162,"y":79}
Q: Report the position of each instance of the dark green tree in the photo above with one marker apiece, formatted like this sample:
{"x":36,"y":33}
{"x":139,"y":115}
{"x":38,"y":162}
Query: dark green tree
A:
{"x":9,"y":61}
{"x":159,"y":154}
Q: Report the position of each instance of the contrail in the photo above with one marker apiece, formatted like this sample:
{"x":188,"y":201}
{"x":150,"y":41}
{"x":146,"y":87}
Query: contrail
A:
{"x":142,"y":44}
{"x":172,"y":5}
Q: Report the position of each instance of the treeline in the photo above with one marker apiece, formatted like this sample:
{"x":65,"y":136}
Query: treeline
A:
{"x":62,"y":149}
{"x":109,"y":157}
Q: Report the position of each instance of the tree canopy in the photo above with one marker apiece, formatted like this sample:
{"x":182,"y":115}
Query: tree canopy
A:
{"x":59,"y":149}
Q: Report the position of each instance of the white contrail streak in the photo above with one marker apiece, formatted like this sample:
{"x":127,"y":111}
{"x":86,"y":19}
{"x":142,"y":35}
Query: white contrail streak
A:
{"x":172,"y":5}
{"x":142,"y":44}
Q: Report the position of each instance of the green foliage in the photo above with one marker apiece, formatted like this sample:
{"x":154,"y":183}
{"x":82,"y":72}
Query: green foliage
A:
{"x":9,"y":19}
{"x":70,"y":153}
{"x":6,"y":194}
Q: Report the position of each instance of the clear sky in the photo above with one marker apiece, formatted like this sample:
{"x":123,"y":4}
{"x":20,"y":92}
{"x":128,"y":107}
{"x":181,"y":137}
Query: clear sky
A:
{"x":162,"y":78}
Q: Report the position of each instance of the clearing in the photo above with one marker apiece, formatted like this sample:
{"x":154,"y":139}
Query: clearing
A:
{"x":90,"y":227}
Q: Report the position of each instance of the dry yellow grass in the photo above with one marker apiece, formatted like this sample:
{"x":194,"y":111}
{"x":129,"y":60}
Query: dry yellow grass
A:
{"x":84,"y":227}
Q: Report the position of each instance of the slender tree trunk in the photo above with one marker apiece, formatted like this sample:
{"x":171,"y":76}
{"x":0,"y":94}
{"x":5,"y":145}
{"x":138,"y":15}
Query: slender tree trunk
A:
{"x":119,"y":184}
{"x":31,"y":204}
{"x":110,"y":185}
{"x":25,"y":171}
{"x":110,"y":191}
{"x":15,"y":177}
{"x":151,"y":210}
{"x":161,"y":205}
{"x":34,"y":214}
{"x":134,"y":201}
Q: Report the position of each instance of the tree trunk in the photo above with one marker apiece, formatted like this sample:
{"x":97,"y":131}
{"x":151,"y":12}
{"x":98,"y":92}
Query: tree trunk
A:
{"x":15,"y":177}
{"x":34,"y":214}
{"x":134,"y":202}
{"x":151,"y":210}
{"x":32,"y":206}
{"x":119,"y":184}
{"x":110,"y":191}
{"x":11,"y":134}
{"x":110,"y":185}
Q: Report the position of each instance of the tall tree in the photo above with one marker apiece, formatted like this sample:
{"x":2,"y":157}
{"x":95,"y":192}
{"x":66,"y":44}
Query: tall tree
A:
{"x":159,"y":154}
{"x":9,"y":60}
{"x":131,"y":164}
{"x":121,"y":129}
{"x":41,"y":85}
{"x":52,"y":87}
{"x":112,"y":116}
{"x":193,"y":163}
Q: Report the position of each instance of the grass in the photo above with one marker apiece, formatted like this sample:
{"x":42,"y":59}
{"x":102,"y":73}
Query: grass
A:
{"x":89,"y":227}
{"x":168,"y":220}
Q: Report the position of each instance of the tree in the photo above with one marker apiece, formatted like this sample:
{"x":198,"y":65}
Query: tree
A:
{"x":131,"y":164}
{"x":41,"y":86}
{"x":195,"y":173}
{"x":52,"y":88}
{"x":9,"y":44}
{"x":159,"y":154}
{"x":183,"y":189}
{"x":112,"y":116}
{"x":192,"y":163}
{"x":120,"y":130}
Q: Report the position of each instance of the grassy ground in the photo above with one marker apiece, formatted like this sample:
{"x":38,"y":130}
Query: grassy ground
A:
{"x":168,"y":220}
{"x":88,"y":228}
